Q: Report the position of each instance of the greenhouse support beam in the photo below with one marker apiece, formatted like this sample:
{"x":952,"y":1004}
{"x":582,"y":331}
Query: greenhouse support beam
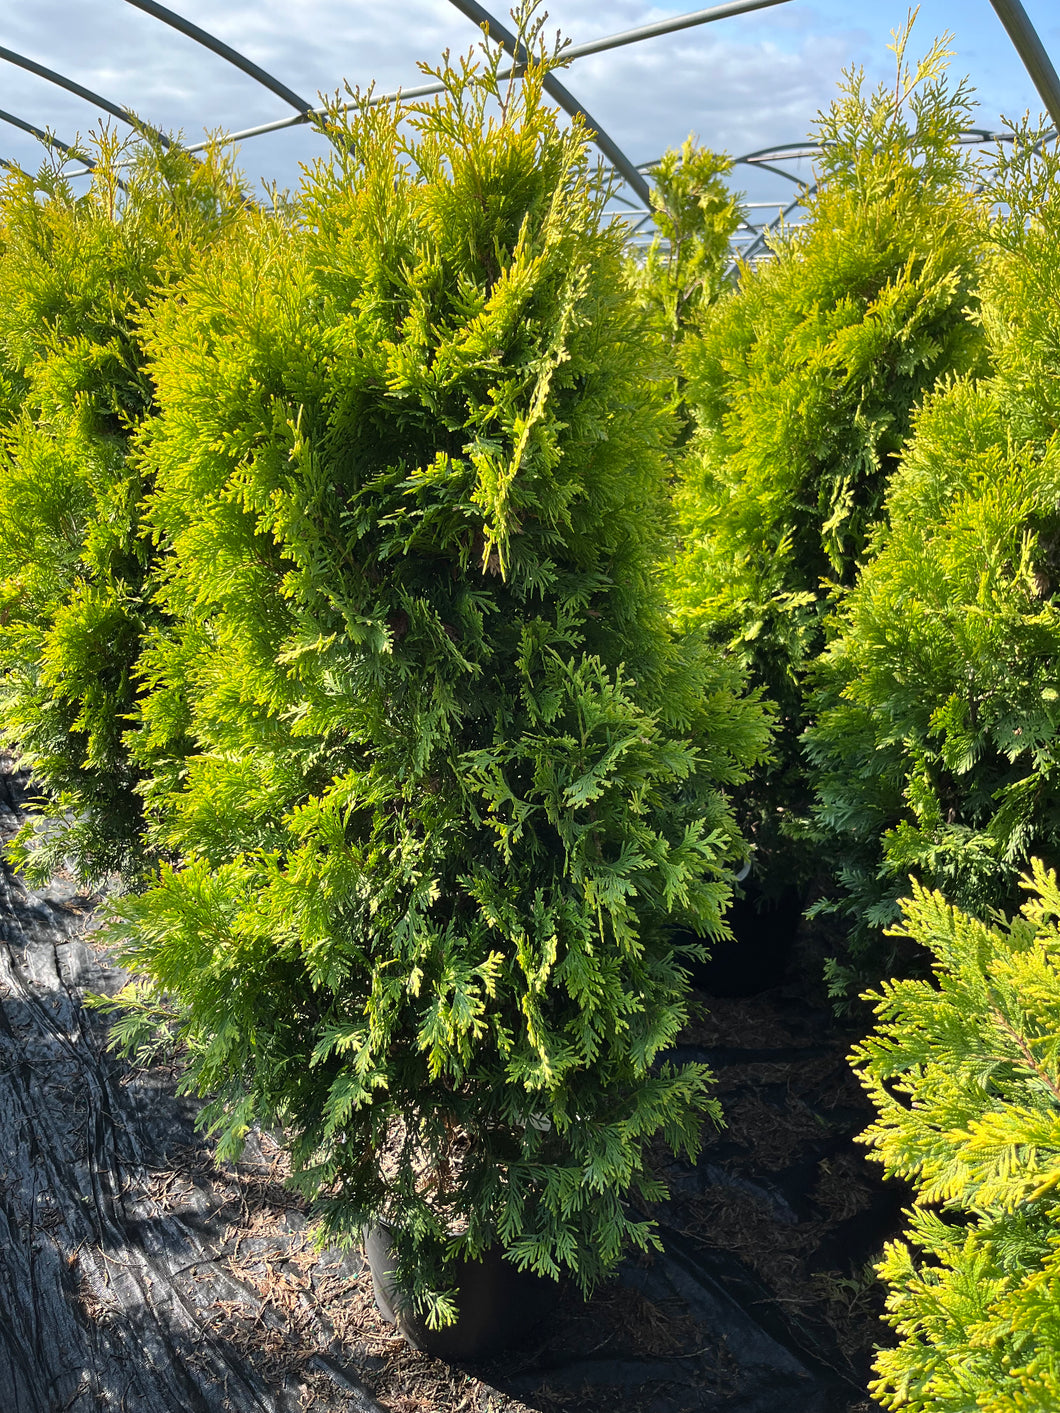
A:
{"x":1032,"y":51}
{"x":789,"y":151}
{"x":49,"y":139}
{"x":423,"y":90}
{"x":576,"y":51}
{"x":223,"y":50}
{"x":679,"y":22}
{"x":761,"y":166}
{"x":31,"y":66}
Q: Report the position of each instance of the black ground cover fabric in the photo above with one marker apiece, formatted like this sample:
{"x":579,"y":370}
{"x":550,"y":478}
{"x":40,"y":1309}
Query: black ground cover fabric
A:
{"x":137,"y":1274}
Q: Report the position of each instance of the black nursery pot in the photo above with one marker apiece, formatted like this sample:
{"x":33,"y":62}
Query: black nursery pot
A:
{"x":498,"y":1304}
{"x":764,"y":928}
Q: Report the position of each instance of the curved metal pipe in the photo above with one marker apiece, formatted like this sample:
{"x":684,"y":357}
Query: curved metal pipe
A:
{"x":787,"y":150}
{"x":225,"y":51}
{"x":761,"y":166}
{"x":575,"y":51}
{"x":49,"y":139}
{"x":31,"y":66}
{"x":671,"y":26}
{"x":423,"y":90}
{"x":1032,"y":51}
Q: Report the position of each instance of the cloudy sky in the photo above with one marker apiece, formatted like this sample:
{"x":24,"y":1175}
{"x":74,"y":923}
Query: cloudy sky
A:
{"x":741,"y":83}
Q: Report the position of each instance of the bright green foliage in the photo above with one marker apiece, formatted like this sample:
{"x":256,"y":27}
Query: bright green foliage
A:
{"x":939,"y":705}
{"x":453,"y":781}
{"x":939,"y":714}
{"x":1022,"y":290}
{"x":965,"y":1075}
{"x":695,"y":217}
{"x":75,"y":273}
{"x":804,"y":382}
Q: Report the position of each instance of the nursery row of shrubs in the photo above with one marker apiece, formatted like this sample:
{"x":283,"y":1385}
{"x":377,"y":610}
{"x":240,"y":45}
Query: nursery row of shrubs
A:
{"x":869,"y":515}
{"x":418,"y":611}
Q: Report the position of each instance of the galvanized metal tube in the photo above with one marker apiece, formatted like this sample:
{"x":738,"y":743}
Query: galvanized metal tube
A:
{"x":60,"y":80}
{"x":575,"y":51}
{"x":1032,"y":51}
{"x":423,"y":90}
{"x":49,"y":139}
{"x":679,"y":22}
{"x":761,"y":166}
{"x":223,"y":50}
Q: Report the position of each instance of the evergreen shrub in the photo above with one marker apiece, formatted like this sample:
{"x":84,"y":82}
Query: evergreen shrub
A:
{"x":938,"y":704}
{"x":695,"y":217}
{"x":964,"y":1071}
{"x":453,"y":779}
{"x":803,"y":382}
{"x":76,"y":273}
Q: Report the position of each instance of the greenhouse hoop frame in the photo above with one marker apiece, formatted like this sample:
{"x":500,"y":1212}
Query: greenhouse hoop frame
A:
{"x":750,"y":240}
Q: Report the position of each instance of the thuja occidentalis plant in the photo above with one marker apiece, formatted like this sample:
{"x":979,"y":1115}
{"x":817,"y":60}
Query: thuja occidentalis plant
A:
{"x":695,"y":216}
{"x":453,"y":781}
{"x":937,"y":701}
{"x":803,"y":382}
{"x":78,"y":269}
{"x":964,"y":1070}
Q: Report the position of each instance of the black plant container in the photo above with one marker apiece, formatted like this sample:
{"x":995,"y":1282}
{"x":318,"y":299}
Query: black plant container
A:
{"x":499,"y":1305}
{"x":764,"y":928}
